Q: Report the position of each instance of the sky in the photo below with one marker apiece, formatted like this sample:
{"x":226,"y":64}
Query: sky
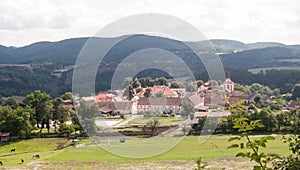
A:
{"x":23,"y":22}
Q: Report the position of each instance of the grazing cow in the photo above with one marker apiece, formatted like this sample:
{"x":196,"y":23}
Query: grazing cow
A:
{"x":13,"y":150}
{"x":37,"y":156}
{"x":1,"y":163}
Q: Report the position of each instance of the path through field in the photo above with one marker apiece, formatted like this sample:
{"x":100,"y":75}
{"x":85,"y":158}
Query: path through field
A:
{"x":227,"y":164}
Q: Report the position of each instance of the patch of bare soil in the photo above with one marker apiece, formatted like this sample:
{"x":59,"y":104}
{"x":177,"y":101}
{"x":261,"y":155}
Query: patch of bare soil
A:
{"x":218,"y":164}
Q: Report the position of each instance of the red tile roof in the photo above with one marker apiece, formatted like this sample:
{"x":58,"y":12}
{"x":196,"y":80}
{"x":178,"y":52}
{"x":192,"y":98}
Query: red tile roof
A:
{"x":102,"y":97}
{"x":4,"y":134}
{"x":157,"y":89}
{"x":114,"y":106}
{"x":168,"y":101}
{"x":238,"y":95}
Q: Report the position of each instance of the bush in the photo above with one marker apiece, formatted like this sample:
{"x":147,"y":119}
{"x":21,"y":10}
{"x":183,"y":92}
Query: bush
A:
{"x":64,"y":128}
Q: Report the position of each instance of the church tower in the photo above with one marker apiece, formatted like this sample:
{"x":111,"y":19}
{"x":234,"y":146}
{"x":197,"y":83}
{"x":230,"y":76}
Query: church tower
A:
{"x":229,"y":85}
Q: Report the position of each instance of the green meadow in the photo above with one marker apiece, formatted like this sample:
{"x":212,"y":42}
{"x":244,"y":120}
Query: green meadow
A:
{"x":188,"y":149}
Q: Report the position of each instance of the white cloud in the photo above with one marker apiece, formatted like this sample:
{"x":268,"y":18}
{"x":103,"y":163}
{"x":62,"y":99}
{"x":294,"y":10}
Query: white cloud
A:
{"x":23,"y":22}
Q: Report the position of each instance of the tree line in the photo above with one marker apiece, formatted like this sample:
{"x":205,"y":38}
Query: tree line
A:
{"x":40,"y":111}
{"x":274,"y":121}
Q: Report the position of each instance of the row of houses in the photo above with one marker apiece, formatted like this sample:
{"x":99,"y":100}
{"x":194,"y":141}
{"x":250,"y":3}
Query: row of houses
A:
{"x":171,"y":99}
{"x":204,"y":100}
{"x":141,"y":105}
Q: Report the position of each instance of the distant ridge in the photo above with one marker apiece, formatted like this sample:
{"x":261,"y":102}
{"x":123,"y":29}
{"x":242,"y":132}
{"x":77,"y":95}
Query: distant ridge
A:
{"x":232,"y":53}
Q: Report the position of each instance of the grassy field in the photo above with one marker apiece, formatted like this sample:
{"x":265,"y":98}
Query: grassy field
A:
{"x":164,"y":121}
{"x":45,"y":147}
{"x":187,"y":150}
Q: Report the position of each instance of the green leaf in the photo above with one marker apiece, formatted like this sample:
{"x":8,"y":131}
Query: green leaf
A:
{"x":260,"y":125}
{"x":242,"y":146}
{"x":243,"y":119}
{"x":236,"y":126}
{"x":241,"y":154}
{"x":262,"y":155}
{"x":270,"y":138}
{"x":257,"y":168}
{"x":233,"y":146}
{"x":234,"y":138}
{"x":263,"y":144}
{"x":256,"y":121}
{"x":248,"y":128}
{"x":243,"y":134}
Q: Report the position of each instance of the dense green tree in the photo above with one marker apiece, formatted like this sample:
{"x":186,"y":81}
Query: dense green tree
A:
{"x":282,"y":120}
{"x":12,"y":102}
{"x":147,"y":92}
{"x":187,"y":110}
{"x":149,"y":82}
{"x":199,"y":83}
{"x":276,"y":92}
{"x":87,"y":114}
{"x":60,"y":112}
{"x":64,"y":128}
{"x":267,"y":119}
{"x":76,"y":122}
{"x":15,"y":121}
{"x":198,"y":127}
{"x":143,"y":82}
{"x":161,"y":81}
{"x":153,"y":125}
{"x":67,"y":96}
{"x":257,"y":98}
{"x":238,"y":110}
{"x":242,"y":88}
{"x":42,"y":105}
{"x":136,"y":84}
{"x":137,"y":90}
{"x":255,"y":87}
{"x":129,"y":92}
{"x":126,"y":82}
{"x":175,"y":85}
{"x":275,"y":106}
{"x":294,"y":120}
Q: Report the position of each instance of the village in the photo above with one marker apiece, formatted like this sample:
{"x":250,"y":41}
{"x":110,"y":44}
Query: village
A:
{"x":176,"y":108}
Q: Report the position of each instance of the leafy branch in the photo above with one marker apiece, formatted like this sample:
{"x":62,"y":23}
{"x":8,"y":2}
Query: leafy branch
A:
{"x":244,"y":127}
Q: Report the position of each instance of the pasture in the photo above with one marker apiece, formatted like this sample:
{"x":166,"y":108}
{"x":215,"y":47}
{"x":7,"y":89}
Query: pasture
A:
{"x":92,"y":156}
{"x":263,"y":69}
{"x":163,"y":121}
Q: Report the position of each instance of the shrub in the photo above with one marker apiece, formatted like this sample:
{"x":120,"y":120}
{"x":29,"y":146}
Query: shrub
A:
{"x":244,"y":126}
{"x":64,"y":128}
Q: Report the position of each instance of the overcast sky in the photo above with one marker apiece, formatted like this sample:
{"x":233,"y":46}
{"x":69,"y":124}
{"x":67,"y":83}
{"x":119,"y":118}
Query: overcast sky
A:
{"x":26,"y":21}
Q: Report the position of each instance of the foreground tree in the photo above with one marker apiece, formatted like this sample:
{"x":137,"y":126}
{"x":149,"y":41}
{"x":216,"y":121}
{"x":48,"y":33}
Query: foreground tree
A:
{"x":188,"y":110}
{"x":15,"y":121}
{"x":67,"y":96}
{"x":153,"y":125}
{"x":87,"y":114}
{"x":42,"y":105}
{"x":12,"y":102}
{"x":254,"y":146}
{"x":60,"y":113}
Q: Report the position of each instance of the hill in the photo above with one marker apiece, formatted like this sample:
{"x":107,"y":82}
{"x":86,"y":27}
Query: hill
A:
{"x":48,"y":65}
{"x":233,"y":53}
{"x":263,"y":57}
